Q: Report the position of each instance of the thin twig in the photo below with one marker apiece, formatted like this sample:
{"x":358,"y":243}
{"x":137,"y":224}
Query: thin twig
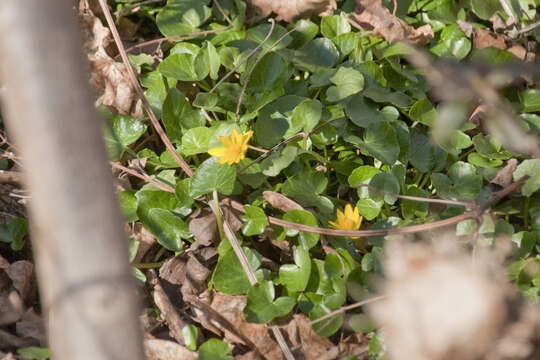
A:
{"x":286,"y":141}
{"x":529,"y":28}
{"x":143,"y":176}
{"x":220,"y":9}
{"x":248,"y":76}
{"x":348,"y":307}
{"x":140,"y":93}
{"x":245,"y":58}
{"x":420,"y":199}
{"x":395,"y":8}
{"x":176,"y":37}
{"x":248,"y":270}
{"x":508,"y":10}
{"x":135,"y":7}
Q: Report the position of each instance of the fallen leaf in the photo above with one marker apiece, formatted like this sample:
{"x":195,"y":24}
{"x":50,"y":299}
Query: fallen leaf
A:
{"x":144,"y":237}
{"x":156,"y":349}
{"x":31,"y":326}
{"x":11,"y":307}
{"x":504,"y":176}
{"x":204,"y":229}
{"x":307,"y":342}
{"x":187,"y":271}
{"x":519,"y":51}
{"x":4,"y":264}
{"x":498,"y":22}
{"x":483,"y":39}
{"x":280,"y":201}
{"x":168,"y":311}
{"x":22,"y":274}
{"x":288,"y":10}
{"x":109,"y":78}
{"x":372,"y":15}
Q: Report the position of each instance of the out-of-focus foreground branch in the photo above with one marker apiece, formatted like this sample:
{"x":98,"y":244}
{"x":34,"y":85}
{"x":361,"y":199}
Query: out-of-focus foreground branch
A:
{"x":85,"y":282}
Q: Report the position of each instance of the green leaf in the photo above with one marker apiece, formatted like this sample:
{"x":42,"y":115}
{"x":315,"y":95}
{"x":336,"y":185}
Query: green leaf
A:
{"x":269,"y":73}
{"x":214,"y":61}
{"x":484,"y":9}
{"x":128,"y":204}
{"x":212,"y":176}
{"x":185,"y":66}
{"x":532,"y":168}
{"x":411,"y":209}
{"x":305,"y":117}
{"x":362,"y":174}
{"x":168,"y":228}
{"x":317,"y":54}
{"x":363,"y":112}
{"x":214,"y":349}
{"x":306,"y":30}
{"x":229,"y":277}
{"x":380,"y":141}
{"x":307,"y":240}
{"x":423,"y":154}
{"x":369,"y":208}
{"x":120,"y":132}
{"x":13,"y":232}
{"x":334,"y":25}
{"x":295,"y":277}
{"x":347,"y":82}
{"x":273,"y":121}
{"x":305,"y":187}
{"x":423,"y":112}
{"x":252,"y":176}
{"x":259,"y":32}
{"x":133,"y":248}
{"x":138,"y":61}
{"x":453,"y":42}
{"x":262,"y":307}
{"x":190,"y":334}
{"x":272,"y":165}
{"x":34,"y":352}
{"x":385,"y":182}
{"x":255,"y":221}
{"x":177,"y":115}
{"x":198,"y":140}
{"x":531,"y":100}
{"x":182,"y":17}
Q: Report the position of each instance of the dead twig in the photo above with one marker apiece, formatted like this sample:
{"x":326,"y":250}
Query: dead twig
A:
{"x":421,"y":199}
{"x":348,"y":307}
{"x":144,"y":176}
{"x":225,"y":231}
{"x":140,"y":93}
{"x":175,"y":37}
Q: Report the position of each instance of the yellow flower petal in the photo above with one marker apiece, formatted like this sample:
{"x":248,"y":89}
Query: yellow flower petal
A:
{"x":234,"y":147}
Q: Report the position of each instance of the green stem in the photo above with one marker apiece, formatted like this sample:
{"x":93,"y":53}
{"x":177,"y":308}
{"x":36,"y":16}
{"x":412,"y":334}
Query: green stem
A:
{"x":203,"y":86}
{"x":424,"y":181}
{"x":159,"y":254}
{"x":418,"y":178}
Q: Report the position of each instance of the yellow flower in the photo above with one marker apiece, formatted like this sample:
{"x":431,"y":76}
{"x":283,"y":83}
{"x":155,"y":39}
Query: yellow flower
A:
{"x":235,"y":147}
{"x":348,"y":220}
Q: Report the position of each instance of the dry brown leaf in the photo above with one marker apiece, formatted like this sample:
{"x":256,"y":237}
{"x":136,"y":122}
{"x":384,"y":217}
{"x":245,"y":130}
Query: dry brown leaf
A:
{"x":519,"y":51}
{"x":504,"y":176}
{"x":168,"y":311}
{"x":156,"y":349}
{"x":187,"y":271}
{"x":306,"y":340}
{"x":483,"y":39}
{"x":203,"y":226}
{"x":11,"y":307}
{"x":108,"y":78}
{"x":22,"y":274}
{"x":288,"y":10}
{"x":4,"y":264}
{"x":31,"y":326}
{"x":144,"y":237}
{"x":498,"y":22}
{"x":372,"y":15}
{"x":280,"y":201}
